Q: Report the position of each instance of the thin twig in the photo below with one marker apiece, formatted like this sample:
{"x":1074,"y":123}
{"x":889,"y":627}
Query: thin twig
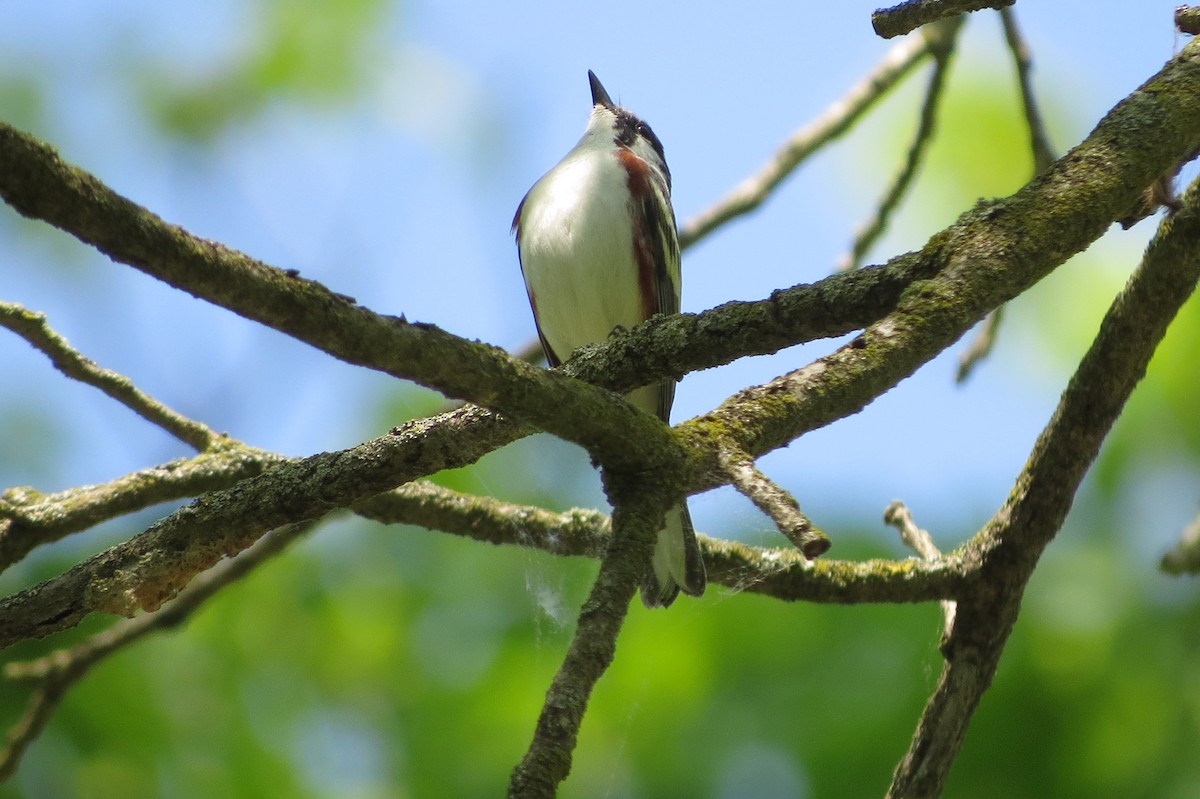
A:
{"x":836,"y":120}
{"x":1039,"y":142}
{"x":870,"y":232}
{"x":59,"y":670}
{"x":1184,"y":557}
{"x":574,"y":532}
{"x":1043,"y":156}
{"x":900,"y":19}
{"x":37,"y":713}
{"x":33,"y":327}
{"x":920,"y":541}
{"x":980,"y":345}
{"x":772,"y":500}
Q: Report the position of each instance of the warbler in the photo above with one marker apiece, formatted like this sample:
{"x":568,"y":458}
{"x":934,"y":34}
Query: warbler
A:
{"x":598,"y":249}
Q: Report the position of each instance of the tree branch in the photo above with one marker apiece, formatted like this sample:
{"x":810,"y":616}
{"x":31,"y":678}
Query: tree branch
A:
{"x":636,"y":518}
{"x":991,"y":254}
{"x":781,"y":573}
{"x":150,"y":568}
{"x":29,"y":519}
{"x":38,"y":184}
{"x":222,"y":522}
{"x":34,"y":328}
{"x":780,"y":506}
{"x":908,"y":16}
{"x":575,"y":532}
{"x":672,"y":346}
{"x":1003,"y":555}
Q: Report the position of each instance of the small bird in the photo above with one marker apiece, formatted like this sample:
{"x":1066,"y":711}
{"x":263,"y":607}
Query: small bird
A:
{"x":598,"y":248}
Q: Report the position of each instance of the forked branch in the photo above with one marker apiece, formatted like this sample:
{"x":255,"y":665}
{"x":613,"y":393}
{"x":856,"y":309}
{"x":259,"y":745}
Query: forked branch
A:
{"x":1003,"y":555}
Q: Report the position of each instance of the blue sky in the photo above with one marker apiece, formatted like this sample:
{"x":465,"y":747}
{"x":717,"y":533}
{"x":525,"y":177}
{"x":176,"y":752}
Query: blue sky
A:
{"x":403,"y":199}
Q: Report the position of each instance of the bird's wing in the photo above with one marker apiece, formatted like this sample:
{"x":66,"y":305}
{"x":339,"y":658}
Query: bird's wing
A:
{"x":658,"y":222}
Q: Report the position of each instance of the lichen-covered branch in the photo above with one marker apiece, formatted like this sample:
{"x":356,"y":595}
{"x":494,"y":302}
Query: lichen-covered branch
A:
{"x":251,"y":503}
{"x":149,"y":569}
{"x":992,"y":254}
{"x":1003,"y":555}
{"x":575,"y":532}
{"x":38,"y":184}
{"x":637,"y":515}
{"x":675,"y":345}
{"x":29,"y":518}
{"x":908,"y":16}
{"x":781,"y":573}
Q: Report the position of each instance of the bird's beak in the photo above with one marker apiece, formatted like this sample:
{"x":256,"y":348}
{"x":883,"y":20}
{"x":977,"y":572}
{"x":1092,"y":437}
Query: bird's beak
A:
{"x":599,"y":96}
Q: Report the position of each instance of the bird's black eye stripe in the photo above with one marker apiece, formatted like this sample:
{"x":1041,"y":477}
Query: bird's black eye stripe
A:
{"x":649,"y":136}
{"x":626,"y":128}
{"x":630,"y":127}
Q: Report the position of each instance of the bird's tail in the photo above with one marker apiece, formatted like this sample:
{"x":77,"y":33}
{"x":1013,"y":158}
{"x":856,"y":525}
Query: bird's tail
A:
{"x":676,"y":564}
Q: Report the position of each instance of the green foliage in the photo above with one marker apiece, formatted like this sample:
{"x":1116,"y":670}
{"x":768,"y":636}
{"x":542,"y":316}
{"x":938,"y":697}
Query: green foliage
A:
{"x":316,"y":51}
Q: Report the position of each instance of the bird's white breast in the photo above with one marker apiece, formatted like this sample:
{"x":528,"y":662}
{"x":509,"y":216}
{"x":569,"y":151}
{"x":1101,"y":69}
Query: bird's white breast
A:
{"x":577,"y":250}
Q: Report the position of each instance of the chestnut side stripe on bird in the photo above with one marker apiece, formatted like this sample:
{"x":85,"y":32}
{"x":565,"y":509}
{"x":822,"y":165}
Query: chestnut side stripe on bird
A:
{"x":598,"y":248}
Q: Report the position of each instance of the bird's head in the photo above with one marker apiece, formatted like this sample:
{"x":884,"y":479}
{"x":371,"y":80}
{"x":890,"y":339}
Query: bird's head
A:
{"x":614,"y":126}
